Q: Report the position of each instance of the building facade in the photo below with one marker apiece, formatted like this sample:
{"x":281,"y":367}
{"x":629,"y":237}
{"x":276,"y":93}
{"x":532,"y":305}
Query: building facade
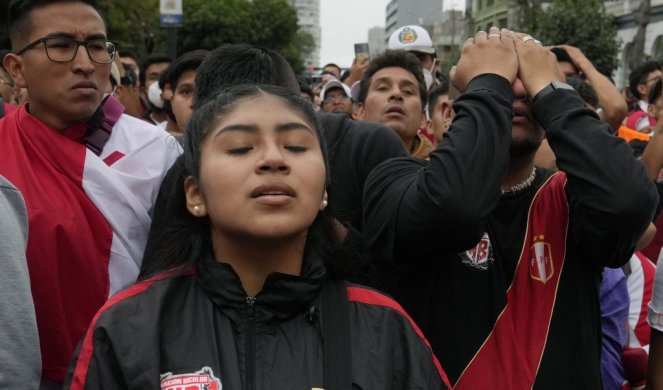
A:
{"x":403,"y":12}
{"x":308,"y":12}
{"x":449,"y":33}
{"x":500,"y":13}
{"x":376,"y":41}
{"x":625,"y":12}
{"x":488,"y":13}
{"x":446,"y":28}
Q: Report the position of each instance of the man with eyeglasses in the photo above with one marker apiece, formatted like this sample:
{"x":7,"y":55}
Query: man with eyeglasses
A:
{"x":641,"y":80}
{"x":88,"y":173}
{"x":335,"y":98}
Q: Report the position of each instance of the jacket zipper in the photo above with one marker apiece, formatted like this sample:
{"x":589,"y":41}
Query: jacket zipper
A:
{"x":250,"y":343}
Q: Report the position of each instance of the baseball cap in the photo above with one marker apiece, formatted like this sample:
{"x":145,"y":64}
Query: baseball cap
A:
{"x":335,"y":83}
{"x":355,"y":89}
{"x":411,"y":38}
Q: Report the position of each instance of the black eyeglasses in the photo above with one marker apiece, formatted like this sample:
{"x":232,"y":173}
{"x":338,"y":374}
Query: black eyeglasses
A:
{"x":64,"y":49}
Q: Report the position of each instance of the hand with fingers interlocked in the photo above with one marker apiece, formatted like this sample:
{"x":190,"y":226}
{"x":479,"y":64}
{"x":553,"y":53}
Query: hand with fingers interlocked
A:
{"x":491,"y":52}
{"x":510,"y":55}
{"x":537,"y":66}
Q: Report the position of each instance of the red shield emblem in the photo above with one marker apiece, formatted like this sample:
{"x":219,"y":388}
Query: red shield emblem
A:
{"x":541,"y":265}
{"x":481,"y":256}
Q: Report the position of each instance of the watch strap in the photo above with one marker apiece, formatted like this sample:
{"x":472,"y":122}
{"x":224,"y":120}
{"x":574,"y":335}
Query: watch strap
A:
{"x":549,"y":88}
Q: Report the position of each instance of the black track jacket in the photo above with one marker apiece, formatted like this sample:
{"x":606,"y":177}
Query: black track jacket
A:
{"x":199,"y":330}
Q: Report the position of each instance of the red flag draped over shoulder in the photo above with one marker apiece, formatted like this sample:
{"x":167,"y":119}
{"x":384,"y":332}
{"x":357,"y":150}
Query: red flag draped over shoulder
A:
{"x":88,"y":219}
{"x":69,"y":240}
{"x":530,"y":299}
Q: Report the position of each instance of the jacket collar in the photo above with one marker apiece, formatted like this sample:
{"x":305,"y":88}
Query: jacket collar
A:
{"x":281,"y":296}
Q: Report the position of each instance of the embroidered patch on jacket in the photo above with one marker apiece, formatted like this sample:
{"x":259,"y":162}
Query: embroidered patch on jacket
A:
{"x":199,"y":380}
{"x":481,"y":256}
{"x":541,"y":266}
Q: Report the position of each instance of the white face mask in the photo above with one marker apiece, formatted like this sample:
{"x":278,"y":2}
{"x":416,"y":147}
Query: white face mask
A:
{"x":428,"y":78}
{"x":154,"y":95}
{"x":428,"y":75}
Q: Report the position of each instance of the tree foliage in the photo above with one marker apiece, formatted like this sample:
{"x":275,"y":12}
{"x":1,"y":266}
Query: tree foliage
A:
{"x":584,"y":24}
{"x":526,"y":14}
{"x":4,"y":33}
{"x":270,"y":23}
{"x":134,"y":25}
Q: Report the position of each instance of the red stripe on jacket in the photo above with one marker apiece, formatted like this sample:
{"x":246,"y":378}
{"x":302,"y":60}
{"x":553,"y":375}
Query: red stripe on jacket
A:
{"x":355,"y":294}
{"x":370,"y":297}
{"x":87,"y":349}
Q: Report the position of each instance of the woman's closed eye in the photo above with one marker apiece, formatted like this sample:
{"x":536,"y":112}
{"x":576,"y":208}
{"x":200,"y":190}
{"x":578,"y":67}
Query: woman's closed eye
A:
{"x":297,"y":148}
{"x":239,"y":150}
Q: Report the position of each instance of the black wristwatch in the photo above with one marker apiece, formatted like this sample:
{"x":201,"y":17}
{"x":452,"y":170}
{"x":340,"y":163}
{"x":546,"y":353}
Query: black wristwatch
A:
{"x":549,"y":88}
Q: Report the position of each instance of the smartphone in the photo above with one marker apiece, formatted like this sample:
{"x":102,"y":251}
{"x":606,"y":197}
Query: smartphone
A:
{"x":361,"y":50}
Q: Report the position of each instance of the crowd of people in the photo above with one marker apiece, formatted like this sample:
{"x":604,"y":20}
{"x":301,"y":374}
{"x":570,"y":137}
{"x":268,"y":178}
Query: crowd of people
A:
{"x":214,"y":220}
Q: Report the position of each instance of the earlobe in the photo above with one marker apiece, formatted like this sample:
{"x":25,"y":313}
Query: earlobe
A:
{"x":447,"y":114}
{"x":359,"y":110}
{"x":325,"y":202}
{"x":118,"y":90}
{"x":14,"y":65}
{"x":195,"y":202}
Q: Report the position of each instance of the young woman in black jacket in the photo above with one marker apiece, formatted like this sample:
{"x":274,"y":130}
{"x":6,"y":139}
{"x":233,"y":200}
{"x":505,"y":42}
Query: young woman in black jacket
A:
{"x":251,"y":296}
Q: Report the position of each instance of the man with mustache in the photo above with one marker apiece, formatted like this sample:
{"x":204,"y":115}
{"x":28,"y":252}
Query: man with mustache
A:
{"x":393,"y":93}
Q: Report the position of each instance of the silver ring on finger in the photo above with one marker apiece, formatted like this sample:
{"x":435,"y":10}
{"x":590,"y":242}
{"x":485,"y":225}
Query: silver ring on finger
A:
{"x":527,"y":38}
{"x":493,"y":35}
{"x":537,"y":42}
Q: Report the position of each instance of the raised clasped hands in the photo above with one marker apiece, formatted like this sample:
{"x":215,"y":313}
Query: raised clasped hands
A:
{"x":537,"y":66}
{"x":510,"y":55}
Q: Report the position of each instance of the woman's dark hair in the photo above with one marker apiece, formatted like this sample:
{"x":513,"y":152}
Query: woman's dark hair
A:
{"x":187,"y":240}
{"x":239,"y":63}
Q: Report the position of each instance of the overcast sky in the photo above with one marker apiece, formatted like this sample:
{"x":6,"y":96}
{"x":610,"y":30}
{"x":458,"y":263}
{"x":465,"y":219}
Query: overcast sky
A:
{"x":346,"y":22}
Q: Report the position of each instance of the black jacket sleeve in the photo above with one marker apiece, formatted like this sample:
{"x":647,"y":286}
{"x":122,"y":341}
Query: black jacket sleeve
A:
{"x":101,"y":371}
{"x":414,"y":210}
{"x":354,"y":148}
{"x":611,"y":198}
